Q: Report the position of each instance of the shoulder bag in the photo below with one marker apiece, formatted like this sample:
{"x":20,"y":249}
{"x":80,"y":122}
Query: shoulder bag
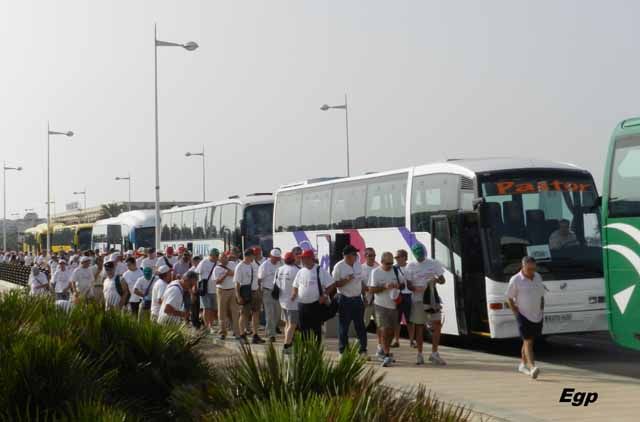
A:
{"x":275,"y":292}
{"x":203,"y":284}
{"x":329,"y":310}
{"x":397,"y":300}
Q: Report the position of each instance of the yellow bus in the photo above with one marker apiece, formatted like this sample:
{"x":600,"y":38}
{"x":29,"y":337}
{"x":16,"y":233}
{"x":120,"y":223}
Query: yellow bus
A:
{"x":73,"y":237}
{"x":35,"y":239}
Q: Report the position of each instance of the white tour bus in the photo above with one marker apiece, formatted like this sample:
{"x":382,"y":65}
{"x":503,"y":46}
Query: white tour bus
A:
{"x":129,"y":230}
{"x":478,"y":218}
{"x":235,"y":222}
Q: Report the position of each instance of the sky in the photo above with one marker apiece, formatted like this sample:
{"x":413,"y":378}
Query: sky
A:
{"x":426,"y":81}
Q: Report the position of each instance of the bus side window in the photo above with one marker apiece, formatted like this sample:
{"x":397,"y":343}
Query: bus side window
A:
{"x":165,"y":234}
{"x":430,"y":194}
{"x":213,"y":223}
{"x":386,"y":201}
{"x":287,"y":212}
{"x":176,"y":225}
{"x":316,"y":206}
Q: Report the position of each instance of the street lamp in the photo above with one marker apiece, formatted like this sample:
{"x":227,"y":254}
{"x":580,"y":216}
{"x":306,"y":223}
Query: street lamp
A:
{"x":128,"y":179}
{"x":50,"y":132}
{"x":200,"y":154}
{"x":189,"y":46}
{"x":4,"y":189}
{"x":344,"y":107}
{"x":84,"y":194}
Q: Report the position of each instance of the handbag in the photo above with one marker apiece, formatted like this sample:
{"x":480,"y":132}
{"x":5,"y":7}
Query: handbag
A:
{"x":397,"y":300}
{"x":204,"y":283}
{"x":328,"y":310}
{"x":275,"y":292}
{"x":245,"y":290}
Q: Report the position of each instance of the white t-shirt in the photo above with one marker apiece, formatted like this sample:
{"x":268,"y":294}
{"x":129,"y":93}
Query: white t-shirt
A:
{"x":174,"y":296}
{"x":111,"y":296}
{"x":131,"y":277}
{"x":161,"y":261}
{"x":139,"y":262}
{"x":379,"y":278}
{"x":246,"y":274}
{"x":28,"y":260}
{"x":366,"y":274}
{"x":421,"y":273}
{"x":267,"y":273}
{"x":53,"y":265}
{"x":142,"y":284}
{"x":61,"y":279}
{"x":156,"y":295}
{"x":121,"y":268}
{"x":527,"y":294}
{"x":227,"y":283}
{"x":306,"y":282}
{"x":204,"y":269}
{"x":37,"y":281}
{"x":84,"y":278}
{"x":285,"y":276}
{"x":148,"y":263}
{"x":343,"y":270}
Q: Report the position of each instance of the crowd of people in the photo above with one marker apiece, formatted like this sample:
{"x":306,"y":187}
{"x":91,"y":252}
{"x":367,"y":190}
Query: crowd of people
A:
{"x":236,"y":292}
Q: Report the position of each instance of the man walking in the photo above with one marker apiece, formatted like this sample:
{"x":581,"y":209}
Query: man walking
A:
{"x":209,"y":302}
{"x":143,"y":288}
{"x":131,"y":276}
{"x":348,"y":279}
{"x":384,"y":284}
{"x":61,"y":281}
{"x":311,"y":297}
{"x":159,"y":286}
{"x":248,"y":294}
{"x":227,"y":305}
{"x":404,"y":308}
{"x":525,"y":294}
{"x":266,"y":277}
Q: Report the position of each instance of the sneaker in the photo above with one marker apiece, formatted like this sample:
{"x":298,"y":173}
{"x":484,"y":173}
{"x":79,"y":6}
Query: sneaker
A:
{"x":413,"y":344}
{"x":386,"y":362}
{"x":420,"y":359}
{"x":436,"y":359}
{"x":242,"y":339}
{"x":257,"y":340}
{"x":395,"y":344}
{"x":522,"y":368}
{"x":380,"y":353}
{"x":222,"y":337}
{"x":535,"y":371}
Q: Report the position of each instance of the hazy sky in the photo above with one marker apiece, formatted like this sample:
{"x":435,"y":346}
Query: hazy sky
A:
{"x":427,"y":80}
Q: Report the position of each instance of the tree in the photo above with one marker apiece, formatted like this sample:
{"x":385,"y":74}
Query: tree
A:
{"x":113,"y":210}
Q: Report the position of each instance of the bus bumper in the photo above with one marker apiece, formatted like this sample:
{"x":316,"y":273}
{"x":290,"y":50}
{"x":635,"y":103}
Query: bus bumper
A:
{"x":505,"y":325}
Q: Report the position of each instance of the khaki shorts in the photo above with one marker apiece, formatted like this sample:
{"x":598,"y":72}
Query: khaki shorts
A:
{"x":385,"y":317}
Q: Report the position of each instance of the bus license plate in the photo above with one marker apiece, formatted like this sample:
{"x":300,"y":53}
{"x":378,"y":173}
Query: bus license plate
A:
{"x":557,"y":318}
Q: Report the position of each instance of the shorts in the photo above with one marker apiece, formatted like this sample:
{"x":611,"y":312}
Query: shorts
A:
{"x":209,"y":302}
{"x":385,"y":317}
{"x":292,"y":316}
{"x":420,"y":316}
{"x":528,"y":330}
{"x":255,"y":305}
{"x":404,"y":308}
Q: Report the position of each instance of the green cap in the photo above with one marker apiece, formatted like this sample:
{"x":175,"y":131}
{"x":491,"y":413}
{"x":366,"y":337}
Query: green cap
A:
{"x":418,"y":249}
{"x":214,"y":252}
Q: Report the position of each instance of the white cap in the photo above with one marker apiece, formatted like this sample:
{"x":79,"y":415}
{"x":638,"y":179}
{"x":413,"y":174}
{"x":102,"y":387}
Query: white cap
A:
{"x":85,"y":259}
{"x":114,"y":257}
{"x":62,"y":261}
{"x":164,"y":269}
{"x":129,"y":253}
{"x":276,"y":253}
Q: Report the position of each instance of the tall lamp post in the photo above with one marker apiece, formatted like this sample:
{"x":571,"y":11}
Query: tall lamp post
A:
{"x":4,"y":194}
{"x":189,"y":46}
{"x":128,"y":179}
{"x":50,"y":132}
{"x":204,"y":178}
{"x":344,"y":107}
{"x":84,"y":194}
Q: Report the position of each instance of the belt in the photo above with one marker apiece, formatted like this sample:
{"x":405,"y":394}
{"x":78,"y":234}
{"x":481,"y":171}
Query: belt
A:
{"x":220,"y":288}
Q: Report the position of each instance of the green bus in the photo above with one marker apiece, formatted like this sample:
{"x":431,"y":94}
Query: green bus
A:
{"x":621,"y":233}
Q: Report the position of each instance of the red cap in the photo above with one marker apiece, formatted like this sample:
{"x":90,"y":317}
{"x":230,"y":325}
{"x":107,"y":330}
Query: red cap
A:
{"x":169,"y":250}
{"x":308,"y":254}
{"x":228,"y":253}
{"x":257,"y":249}
{"x":289,"y":258}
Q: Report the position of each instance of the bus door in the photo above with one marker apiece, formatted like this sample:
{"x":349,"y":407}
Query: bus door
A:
{"x":453,"y":315}
{"x":474,"y":292}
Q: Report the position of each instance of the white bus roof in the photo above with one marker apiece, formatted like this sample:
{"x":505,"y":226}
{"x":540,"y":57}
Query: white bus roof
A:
{"x":251,"y":199}
{"x":138,"y":218}
{"x":467,"y":167}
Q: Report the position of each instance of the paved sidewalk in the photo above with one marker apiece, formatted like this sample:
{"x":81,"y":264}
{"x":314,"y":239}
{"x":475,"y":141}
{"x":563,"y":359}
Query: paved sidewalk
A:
{"x":6,"y":286}
{"x":490,"y":385}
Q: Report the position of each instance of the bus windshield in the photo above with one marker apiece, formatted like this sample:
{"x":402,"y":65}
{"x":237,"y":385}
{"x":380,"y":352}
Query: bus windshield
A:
{"x":62,"y":237}
{"x":258,"y":224}
{"x":550,"y":217}
{"x":145,"y":237}
{"x":84,"y":239}
{"x":624,"y":195}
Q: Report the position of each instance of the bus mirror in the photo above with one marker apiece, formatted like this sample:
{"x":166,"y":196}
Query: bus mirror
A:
{"x":483,"y":211}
